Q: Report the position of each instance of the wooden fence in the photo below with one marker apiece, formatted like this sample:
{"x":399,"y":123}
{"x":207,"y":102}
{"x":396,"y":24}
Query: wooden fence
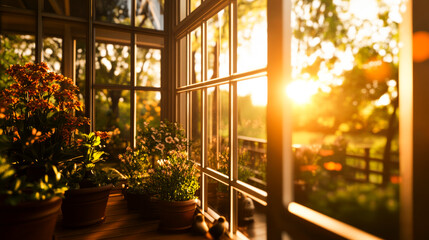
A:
{"x":256,"y":150}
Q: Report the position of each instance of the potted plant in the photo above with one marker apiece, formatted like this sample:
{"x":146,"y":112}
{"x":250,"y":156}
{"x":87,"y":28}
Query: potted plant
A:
{"x":134,"y":166}
{"x":85,"y":202}
{"x":174,"y":181}
{"x":36,"y":124}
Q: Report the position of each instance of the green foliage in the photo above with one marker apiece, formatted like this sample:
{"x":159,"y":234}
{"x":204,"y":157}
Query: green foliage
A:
{"x":83,"y":169}
{"x":16,"y":187}
{"x":134,"y":166}
{"x":14,"y":49}
{"x":174,"y":178}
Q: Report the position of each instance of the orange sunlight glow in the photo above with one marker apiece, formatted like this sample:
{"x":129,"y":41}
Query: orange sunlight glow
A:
{"x":340,"y":228}
{"x":301,"y":91}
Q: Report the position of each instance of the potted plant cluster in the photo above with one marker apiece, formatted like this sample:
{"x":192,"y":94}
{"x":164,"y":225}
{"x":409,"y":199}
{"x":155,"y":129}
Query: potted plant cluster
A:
{"x":36,"y":124}
{"x":134,"y":166}
{"x":174,"y":181}
{"x":86,"y":200}
{"x":155,"y":141}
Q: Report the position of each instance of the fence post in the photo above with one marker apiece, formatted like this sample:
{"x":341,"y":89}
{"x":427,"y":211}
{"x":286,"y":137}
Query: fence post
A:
{"x":366,"y":159}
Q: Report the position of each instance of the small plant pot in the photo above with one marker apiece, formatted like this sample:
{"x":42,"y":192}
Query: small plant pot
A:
{"x":176,"y":215}
{"x":31,"y":220}
{"x":135,"y":201}
{"x":150,"y":209}
{"x":86,"y":206}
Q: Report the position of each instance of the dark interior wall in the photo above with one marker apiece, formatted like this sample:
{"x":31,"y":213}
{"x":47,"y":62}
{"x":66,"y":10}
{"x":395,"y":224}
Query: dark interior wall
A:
{"x":421,"y":126}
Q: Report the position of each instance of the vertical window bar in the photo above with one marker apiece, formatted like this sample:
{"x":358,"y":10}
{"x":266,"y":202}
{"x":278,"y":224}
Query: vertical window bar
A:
{"x":90,"y":72}
{"x":133,"y":92}
{"x":39,"y":31}
{"x":233,"y":33}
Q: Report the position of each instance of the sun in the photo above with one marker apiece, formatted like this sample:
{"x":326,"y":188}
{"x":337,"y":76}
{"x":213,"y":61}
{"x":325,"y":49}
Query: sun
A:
{"x":301,"y":91}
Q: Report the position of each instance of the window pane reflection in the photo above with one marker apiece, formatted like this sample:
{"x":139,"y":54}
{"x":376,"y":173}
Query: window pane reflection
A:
{"x":218,"y":45}
{"x":182,"y":63}
{"x":218,"y":197}
{"x":195,"y":4}
{"x":345,"y":105}
{"x":252,"y":219}
{"x":251,"y":130}
{"x":112,"y":64}
{"x":75,"y":8}
{"x":112,"y":113}
{"x":80,"y":69}
{"x":15,"y":49}
{"x":53,"y":53}
{"x":148,"y":107}
{"x":251,"y":34}
{"x":150,"y":14}
{"x":218,"y":128}
{"x":113,"y":11}
{"x":148,"y":67}
{"x":196,"y":57}
{"x":196,"y":126}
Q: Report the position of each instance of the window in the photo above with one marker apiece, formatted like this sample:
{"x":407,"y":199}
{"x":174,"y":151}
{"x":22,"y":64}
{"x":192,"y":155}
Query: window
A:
{"x":221,"y":96}
{"x":118,"y":71}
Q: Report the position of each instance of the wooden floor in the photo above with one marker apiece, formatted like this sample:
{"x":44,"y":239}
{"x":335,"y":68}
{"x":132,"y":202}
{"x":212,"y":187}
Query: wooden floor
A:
{"x":120,"y":224}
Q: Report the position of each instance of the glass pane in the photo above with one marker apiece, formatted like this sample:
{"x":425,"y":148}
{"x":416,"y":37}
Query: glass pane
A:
{"x":252,"y":218}
{"x":181,"y":63}
{"x":182,"y":9}
{"x":24,"y":4}
{"x":15,"y":49}
{"x":218,"y":45}
{"x":218,"y":197}
{"x":112,"y":64}
{"x":196,"y":126}
{"x":150,"y":14}
{"x":251,"y":34}
{"x":112,"y":113}
{"x":195,"y":4}
{"x":182,"y":110}
{"x":75,"y":8}
{"x":196,"y":57}
{"x":53,"y":53}
{"x":148,"y":107}
{"x":252,"y":131}
{"x":345,"y":112}
{"x":148,"y":67}
{"x":113,"y":11}
{"x":218,"y":128}
{"x":80,"y":68}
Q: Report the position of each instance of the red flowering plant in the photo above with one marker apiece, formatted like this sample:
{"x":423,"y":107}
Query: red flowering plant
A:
{"x":37,"y":121}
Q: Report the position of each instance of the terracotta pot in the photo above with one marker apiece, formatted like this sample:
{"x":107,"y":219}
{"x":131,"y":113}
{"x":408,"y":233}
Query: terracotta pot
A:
{"x":176,"y":215}
{"x":150,"y":209}
{"x":31,"y":220}
{"x":86,"y":206}
{"x":135,"y":201}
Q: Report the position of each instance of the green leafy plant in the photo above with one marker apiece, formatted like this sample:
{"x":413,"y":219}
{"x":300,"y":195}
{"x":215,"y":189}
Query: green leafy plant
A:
{"x":83,"y":170}
{"x":134,"y":166}
{"x":17,"y":188}
{"x":174,"y":178}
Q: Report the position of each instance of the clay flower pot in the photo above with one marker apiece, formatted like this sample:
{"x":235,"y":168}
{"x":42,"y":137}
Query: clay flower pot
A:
{"x":86,"y":206}
{"x":31,"y":220}
{"x":177,"y":215}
